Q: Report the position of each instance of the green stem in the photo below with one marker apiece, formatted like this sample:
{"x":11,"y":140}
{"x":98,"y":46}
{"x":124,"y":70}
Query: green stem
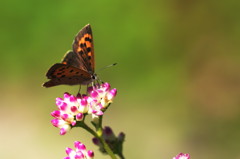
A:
{"x":99,"y":136}
{"x":121,"y":156}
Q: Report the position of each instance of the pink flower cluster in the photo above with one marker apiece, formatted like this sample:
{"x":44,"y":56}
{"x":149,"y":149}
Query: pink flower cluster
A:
{"x":79,"y":153}
{"x":182,"y":156}
{"x":72,"y":109}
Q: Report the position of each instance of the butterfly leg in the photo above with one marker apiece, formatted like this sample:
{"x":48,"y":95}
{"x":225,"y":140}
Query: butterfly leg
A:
{"x":98,"y":81}
{"x":87,"y":90}
{"x":93,"y":85}
{"x":97,"y":84}
{"x":79,"y":89}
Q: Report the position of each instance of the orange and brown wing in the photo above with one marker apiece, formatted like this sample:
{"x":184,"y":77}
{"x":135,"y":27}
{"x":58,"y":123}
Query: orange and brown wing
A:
{"x":83,"y":47}
{"x":65,"y":74}
{"x":72,"y":59}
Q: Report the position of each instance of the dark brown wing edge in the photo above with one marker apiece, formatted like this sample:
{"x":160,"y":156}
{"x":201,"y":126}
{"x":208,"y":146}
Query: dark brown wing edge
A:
{"x":52,"y":70}
{"x":66,"y":81}
{"x":82,"y":77}
{"x":49,"y":75}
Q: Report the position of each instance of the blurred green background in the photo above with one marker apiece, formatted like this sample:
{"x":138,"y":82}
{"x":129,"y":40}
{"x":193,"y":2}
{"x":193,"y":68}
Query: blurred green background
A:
{"x":178,"y":75}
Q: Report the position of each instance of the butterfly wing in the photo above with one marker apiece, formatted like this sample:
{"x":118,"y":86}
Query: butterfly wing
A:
{"x":83,"y":47}
{"x":72,"y":59}
{"x":65,"y":74}
{"x":77,"y":66}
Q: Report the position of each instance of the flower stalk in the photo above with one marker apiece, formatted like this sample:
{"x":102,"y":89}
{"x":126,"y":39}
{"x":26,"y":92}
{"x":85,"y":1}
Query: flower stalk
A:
{"x":98,"y":135}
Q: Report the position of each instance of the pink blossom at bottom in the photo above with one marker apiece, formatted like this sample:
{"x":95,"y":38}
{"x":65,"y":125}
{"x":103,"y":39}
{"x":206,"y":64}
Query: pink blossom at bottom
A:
{"x":182,"y":156}
{"x":80,"y":152}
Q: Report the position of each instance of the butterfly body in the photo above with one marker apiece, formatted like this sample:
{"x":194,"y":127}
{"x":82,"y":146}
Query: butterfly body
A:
{"x":77,"y":66}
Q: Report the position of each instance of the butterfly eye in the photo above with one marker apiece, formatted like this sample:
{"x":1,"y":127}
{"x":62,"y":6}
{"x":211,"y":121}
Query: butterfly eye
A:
{"x":93,"y":77}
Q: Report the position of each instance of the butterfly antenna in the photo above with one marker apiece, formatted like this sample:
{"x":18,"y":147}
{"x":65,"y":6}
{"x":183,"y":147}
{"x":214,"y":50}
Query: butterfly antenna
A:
{"x":106,"y":67}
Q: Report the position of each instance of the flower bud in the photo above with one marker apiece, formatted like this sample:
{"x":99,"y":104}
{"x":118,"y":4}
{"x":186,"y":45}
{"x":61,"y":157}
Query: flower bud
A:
{"x":79,"y":116}
{"x":94,"y":94}
{"x":64,"y":129}
{"x":90,"y":154}
{"x":56,"y":113}
{"x":111,"y":94}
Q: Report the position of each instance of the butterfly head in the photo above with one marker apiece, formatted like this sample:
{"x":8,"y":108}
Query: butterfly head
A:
{"x":94,"y":76}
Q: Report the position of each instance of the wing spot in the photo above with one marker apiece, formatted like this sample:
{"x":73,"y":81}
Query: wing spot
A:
{"x":77,"y":72}
{"x":89,"y":57}
{"x":59,"y":73}
{"x":71,"y":70}
{"x":88,"y":49}
{"x":81,"y":45}
{"x":61,"y":69}
{"x":88,"y":39}
{"x":63,"y":75}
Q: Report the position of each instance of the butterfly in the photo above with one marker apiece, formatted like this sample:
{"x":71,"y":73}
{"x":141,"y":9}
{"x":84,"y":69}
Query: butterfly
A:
{"x":77,"y":66}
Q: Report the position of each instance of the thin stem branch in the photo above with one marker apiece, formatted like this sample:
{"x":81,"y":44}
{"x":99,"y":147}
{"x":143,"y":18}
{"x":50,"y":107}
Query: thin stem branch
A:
{"x":99,"y":136}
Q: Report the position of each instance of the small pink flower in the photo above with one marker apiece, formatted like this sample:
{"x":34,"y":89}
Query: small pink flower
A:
{"x":106,"y":86}
{"x":79,"y":116}
{"x":100,"y":98}
{"x":80,"y":152}
{"x":90,"y":154}
{"x":94,"y":94}
{"x":111,"y":94}
{"x":182,"y":156}
{"x":56,"y":113}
